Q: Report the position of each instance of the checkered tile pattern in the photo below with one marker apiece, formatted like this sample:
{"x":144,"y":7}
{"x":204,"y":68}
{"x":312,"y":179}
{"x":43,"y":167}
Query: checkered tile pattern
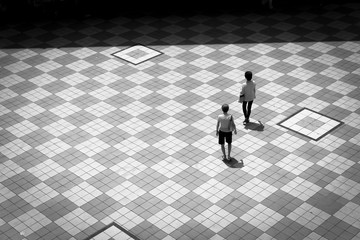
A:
{"x":101,"y":124}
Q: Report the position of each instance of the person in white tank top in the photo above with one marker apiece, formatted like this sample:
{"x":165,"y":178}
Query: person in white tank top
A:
{"x":224,"y":128}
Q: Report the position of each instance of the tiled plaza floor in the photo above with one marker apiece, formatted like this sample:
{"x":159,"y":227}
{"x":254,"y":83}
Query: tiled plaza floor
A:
{"x":96,"y":134}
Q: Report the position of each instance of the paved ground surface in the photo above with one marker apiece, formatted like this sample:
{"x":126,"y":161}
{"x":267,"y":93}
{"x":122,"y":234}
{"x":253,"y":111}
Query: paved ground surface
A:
{"x":108,"y":126}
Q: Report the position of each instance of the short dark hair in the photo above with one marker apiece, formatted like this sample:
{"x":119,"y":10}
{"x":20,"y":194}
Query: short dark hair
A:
{"x":225,"y":108}
{"x":248,"y":75}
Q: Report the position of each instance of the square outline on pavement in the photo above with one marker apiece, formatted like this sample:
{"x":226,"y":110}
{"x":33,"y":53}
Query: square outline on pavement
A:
{"x":307,"y":135}
{"x":151,"y":53}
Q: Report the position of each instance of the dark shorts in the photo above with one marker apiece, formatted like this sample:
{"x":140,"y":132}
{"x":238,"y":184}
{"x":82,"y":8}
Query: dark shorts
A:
{"x":223,"y":136}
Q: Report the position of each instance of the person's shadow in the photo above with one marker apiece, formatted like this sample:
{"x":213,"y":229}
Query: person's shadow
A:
{"x":233,"y":163}
{"x":255,"y":126}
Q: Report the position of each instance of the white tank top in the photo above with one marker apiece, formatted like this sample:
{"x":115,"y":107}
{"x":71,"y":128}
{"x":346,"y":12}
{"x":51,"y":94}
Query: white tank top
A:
{"x":224,"y":122}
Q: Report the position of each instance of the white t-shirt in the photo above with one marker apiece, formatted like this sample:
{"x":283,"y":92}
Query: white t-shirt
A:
{"x":248,"y":89}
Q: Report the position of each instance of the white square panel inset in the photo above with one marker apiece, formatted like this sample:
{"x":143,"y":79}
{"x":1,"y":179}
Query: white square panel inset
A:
{"x":137,"y":54}
{"x":310,"y":124}
{"x":113,"y":231}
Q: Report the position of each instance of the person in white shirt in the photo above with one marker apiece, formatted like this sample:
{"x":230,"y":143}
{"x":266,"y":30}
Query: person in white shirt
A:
{"x":247,"y":95}
{"x":224,"y":128}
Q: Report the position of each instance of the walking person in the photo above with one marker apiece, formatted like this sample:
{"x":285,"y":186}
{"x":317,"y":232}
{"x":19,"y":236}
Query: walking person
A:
{"x":247,"y":96}
{"x":224,"y":128}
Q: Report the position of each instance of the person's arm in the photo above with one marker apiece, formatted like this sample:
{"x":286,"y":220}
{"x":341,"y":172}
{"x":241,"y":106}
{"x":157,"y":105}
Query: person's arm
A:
{"x":254,"y":90}
{"x":233,"y":121}
{"x":217,"y":127}
{"x":241,"y":92}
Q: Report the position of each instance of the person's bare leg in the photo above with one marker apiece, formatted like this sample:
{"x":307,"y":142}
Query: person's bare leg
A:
{"x":223,"y":150}
{"x":229,"y":150}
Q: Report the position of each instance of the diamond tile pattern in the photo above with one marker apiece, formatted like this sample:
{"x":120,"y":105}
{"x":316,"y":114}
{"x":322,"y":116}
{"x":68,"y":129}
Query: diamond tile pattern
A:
{"x":113,"y":121}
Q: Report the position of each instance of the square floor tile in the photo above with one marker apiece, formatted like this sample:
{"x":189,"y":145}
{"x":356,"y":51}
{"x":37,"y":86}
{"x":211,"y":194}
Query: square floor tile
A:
{"x":215,"y":218}
{"x":30,"y":110}
{"x":344,"y":187}
{"x":335,"y":163}
{"x":6,"y":94}
{"x":213,"y":190}
{"x":170,"y":145}
{"x":87,"y":169}
{"x":25,"y":223}
{"x":82,"y":193}
{"x":92,"y":146}
{"x":53,"y":147}
{"x":262,"y":217}
{"x":38,"y":194}
{"x":14,"y":148}
{"x":133,"y":126}
{"x":170,"y":167}
{"x":169,"y":191}
{"x":137,"y":54}
{"x":255,"y":165}
{"x":124,"y":217}
{"x":310,"y":124}
{"x":205,"y":76}
{"x":302,"y":74}
{"x":11,"y":80}
{"x":23,"y":128}
{"x":210,"y":166}
{"x":131,"y":145}
{"x":170,"y":125}
{"x":249,"y":143}
{"x":125,"y":192}
{"x":301,"y":188}
{"x":169,"y":219}
{"x":294,"y":164}
{"x":76,"y":221}
{"x":257,"y":189}
{"x":308,"y":216}
{"x":46,"y":169}
{"x":5,"y":194}
{"x":288,"y":142}
{"x":350,"y":214}
{"x":128,"y":168}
